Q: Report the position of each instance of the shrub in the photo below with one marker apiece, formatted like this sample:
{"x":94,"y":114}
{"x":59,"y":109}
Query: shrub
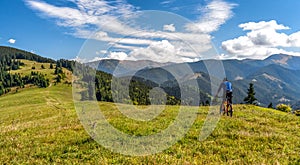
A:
{"x":284,"y":108}
{"x":297,"y":112}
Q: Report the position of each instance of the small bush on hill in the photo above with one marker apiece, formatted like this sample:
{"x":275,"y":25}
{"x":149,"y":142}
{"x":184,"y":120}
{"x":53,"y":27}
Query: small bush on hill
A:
{"x":284,"y":108}
{"x":297,"y":112}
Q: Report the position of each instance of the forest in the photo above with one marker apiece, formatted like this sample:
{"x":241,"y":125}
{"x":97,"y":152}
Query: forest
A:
{"x":98,"y":83}
{"x":98,"y":86}
{"x":10,"y":59}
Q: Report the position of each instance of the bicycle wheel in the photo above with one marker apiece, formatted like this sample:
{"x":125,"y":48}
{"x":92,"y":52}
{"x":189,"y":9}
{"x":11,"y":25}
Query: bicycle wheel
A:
{"x":230,"y":110}
{"x":221,"y":109}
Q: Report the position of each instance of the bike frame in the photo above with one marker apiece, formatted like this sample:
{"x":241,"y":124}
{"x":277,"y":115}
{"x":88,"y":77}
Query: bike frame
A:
{"x":224,"y":107}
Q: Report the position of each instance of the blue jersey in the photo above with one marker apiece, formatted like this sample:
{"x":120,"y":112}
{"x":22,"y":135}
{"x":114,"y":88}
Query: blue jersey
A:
{"x":227,"y":86}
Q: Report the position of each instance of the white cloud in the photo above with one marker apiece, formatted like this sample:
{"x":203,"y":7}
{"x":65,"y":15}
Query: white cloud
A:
{"x":170,"y":28}
{"x":214,"y":15}
{"x":262,"y":40}
{"x":135,"y":41}
{"x":163,"y":51}
{"x":118,"y":55}
{"x":79,"y":59}
{"x":68,"y":16}
{"x":11,"y":41}
{"x":115,"y":19}
{"x":101,"y":52}
{"x":166,"y":2}
{"x":224,"y":57}
{"x":239,"y":78}
{"x":294,"y":39}
{"x":125,"y":47}
{"x":158,"y":51}
{"x":272,"y":25}
{"x":111,"y":55}
{"x":88,"y":14}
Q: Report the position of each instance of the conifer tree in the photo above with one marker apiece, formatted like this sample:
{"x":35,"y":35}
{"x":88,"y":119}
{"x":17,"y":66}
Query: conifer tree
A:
{"x":270,"y":105}
{"x":250,"y":99}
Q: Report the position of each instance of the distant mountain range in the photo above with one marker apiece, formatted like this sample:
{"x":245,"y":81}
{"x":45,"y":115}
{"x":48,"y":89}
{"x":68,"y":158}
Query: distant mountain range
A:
{"x":276,"y":79}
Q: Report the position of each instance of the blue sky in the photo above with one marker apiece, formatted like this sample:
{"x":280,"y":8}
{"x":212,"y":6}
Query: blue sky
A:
{"x":236,"y":28}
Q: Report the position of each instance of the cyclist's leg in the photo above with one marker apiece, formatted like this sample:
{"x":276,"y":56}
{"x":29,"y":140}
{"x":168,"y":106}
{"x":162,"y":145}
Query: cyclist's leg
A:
{"x":227,"y":107}
{"x":230,"y":103}
{"x":224,"y":103}
{"x":231,"y":110}
{"x":227,"y":103}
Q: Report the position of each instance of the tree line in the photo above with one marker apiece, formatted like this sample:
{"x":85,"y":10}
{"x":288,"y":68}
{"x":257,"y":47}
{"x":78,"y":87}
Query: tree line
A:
{"x":20,"y":54}
{"x":99,"y":88}
{"x":139,"y":92}
{"x":10,"y":60}
{"x":9,"y":80}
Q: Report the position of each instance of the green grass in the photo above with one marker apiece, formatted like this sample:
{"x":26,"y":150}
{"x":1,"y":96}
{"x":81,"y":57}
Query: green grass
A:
{"x":27,"y":68}
{"x":40,"y":126}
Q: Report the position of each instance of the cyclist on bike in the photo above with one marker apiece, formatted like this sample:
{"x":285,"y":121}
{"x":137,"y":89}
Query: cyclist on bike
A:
{"x":227,"y":95}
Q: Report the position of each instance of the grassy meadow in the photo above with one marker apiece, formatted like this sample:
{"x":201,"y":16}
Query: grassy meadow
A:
{"x":27,"y":69}
{"x":40,"y":126}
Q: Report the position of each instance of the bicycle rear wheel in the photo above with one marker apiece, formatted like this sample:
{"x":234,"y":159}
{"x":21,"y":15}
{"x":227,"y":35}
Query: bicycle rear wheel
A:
{"x":230,"y":110}
{"x":221,"y":109}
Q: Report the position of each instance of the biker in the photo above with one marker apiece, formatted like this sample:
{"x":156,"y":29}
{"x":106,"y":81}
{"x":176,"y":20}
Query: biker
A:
{"x":227,"y":94}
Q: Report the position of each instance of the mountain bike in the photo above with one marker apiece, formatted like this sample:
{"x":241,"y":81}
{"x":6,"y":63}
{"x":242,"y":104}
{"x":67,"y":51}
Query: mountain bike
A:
{"x":225,"y":107}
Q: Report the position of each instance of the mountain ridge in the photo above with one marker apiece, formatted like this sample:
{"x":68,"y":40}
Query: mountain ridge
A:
{"x":262,"y":73}
{"x":276,"y":78}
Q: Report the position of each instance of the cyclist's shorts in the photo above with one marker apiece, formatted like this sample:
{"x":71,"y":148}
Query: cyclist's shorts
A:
{"x":229,"y":97}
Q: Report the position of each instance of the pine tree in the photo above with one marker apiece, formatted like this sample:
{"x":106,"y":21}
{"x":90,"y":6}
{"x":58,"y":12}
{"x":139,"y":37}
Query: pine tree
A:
{"x":51,"y":66}
{"x":207,"y":103}
{"x":2,"y":89}
{"x":250,"y":99}
{"x":270,"y":105}
{"x":58,"y":78}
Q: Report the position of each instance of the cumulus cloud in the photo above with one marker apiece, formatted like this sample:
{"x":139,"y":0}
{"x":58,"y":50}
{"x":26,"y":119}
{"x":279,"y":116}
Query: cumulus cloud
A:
{"x":11,"y":41}
{"x":156,"y":50}
{"x":294,"y":39}
{"x":170,"y":28}
{"x":272,"y":25}
{"x":163,"y":51}
{"x":115,"y":18}
{"x":117,"y":55}
{"x":262,"y":40}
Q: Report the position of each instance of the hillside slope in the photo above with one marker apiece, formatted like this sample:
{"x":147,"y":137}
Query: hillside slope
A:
{"x":40,"y":126}
{"x":21,"y":69}
{"x":21,"y":54}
